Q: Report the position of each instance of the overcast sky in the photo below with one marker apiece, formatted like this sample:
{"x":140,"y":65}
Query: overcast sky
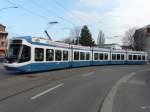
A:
{"x":114,"y":17}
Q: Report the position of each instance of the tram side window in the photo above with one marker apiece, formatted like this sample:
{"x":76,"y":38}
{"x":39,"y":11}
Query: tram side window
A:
{"x":106,"y":56}
{"x":26,"y":54}
{"x":101,"y":56}
{"x":87,"y":56}
{"x":49,"y":55}
{"x":113,"y":56}
{"x":65,"y":55}
{"x":58,"y":55}
{"x":82,"y":56}
{"x":139,"y":57}
{"x":76,"y":55}
{"x":122,"y":56}
{"x":130,"y":57}
{"x":134,"y":57}
{"x":39,"y":54}
{"x":143,"y":57}
{"x":118,"y":56}
{"x":95,"y":56}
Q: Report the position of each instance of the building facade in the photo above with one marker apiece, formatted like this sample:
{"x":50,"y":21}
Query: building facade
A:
{"x":142,"y":39}
{"x":3,"y":40}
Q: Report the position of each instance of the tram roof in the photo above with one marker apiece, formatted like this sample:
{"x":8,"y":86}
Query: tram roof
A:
{"x":47,"y":42}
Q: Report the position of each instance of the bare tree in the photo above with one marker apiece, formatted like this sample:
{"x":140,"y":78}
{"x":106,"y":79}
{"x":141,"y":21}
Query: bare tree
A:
{"x":128,"y":39}
{"x":74,"y":36}
{"x":100,"y":39}
{"x":67,"y":40}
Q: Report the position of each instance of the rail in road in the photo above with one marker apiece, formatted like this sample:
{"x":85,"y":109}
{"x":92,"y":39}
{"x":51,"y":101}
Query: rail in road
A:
{"x":87,"y":89}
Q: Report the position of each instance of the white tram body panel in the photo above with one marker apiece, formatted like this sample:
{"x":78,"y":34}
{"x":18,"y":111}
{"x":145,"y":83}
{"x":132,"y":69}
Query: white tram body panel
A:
{"x":28,"y":54}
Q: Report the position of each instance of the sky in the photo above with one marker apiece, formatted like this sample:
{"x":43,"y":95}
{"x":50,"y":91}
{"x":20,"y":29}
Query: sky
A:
{"x":114,"y":17}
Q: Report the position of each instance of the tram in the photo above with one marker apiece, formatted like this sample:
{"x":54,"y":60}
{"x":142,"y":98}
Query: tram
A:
{"x":32,"y":54}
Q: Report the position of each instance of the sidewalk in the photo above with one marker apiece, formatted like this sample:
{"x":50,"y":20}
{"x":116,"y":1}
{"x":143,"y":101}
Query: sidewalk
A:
{"x":133,"y":96}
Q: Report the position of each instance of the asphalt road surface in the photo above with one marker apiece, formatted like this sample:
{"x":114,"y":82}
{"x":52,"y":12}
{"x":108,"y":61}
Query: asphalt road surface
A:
{"x":118,"y":88}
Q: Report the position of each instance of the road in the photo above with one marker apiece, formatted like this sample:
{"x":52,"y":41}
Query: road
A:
{"x":119,"y":88}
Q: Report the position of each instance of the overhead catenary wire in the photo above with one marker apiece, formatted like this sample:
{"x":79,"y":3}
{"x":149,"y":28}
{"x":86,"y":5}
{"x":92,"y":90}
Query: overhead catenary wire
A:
{"x":27,"y":10}
{"x":48,"y":10}
{"x":72,"y":13}
{"x":60,"y":5}
{"x":51,"y":11}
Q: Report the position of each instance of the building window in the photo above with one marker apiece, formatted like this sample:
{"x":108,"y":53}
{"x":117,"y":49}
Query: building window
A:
{"x":82,"y":56}
{"x":49,"y":55}
{"x":95,"y":56}
{"x":76,"y":55}
{"x":58,"y":55}
{"x":148,"y":30}
{"x":65,"y":55}
{"x":39,"y":54}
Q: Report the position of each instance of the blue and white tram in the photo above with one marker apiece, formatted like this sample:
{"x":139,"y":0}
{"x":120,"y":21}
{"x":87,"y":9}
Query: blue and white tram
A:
{"x":101,"y":56}
{"x":136,"y":57}
{"x":28,"y":54}
{"x":118,"y":57}
{"x":81,"y":56}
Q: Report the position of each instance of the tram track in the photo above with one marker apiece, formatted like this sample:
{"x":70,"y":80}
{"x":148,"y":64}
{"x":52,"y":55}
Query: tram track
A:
{"x":87,"y":87}
{"x":35,"y":82}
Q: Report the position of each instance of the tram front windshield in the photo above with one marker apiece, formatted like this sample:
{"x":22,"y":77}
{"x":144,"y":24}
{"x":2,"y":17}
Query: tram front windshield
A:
{"x":13,"y":52}
{"x":18,"y":53}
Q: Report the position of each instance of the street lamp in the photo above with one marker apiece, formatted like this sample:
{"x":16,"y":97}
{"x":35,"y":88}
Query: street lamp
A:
{"x":53,"y":22}
{"x":7,"y":8}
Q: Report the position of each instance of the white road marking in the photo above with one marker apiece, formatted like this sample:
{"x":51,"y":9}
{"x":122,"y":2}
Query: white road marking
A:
{"x":143,"y":107}
{"x":107,"y":69}
{"x":88,"y":74}
{"x":46,"y":91}
{"x":144,"y":70}
{"x":136,"y":82}
{"x":123,"y":67}
{"x":109,"y":100}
